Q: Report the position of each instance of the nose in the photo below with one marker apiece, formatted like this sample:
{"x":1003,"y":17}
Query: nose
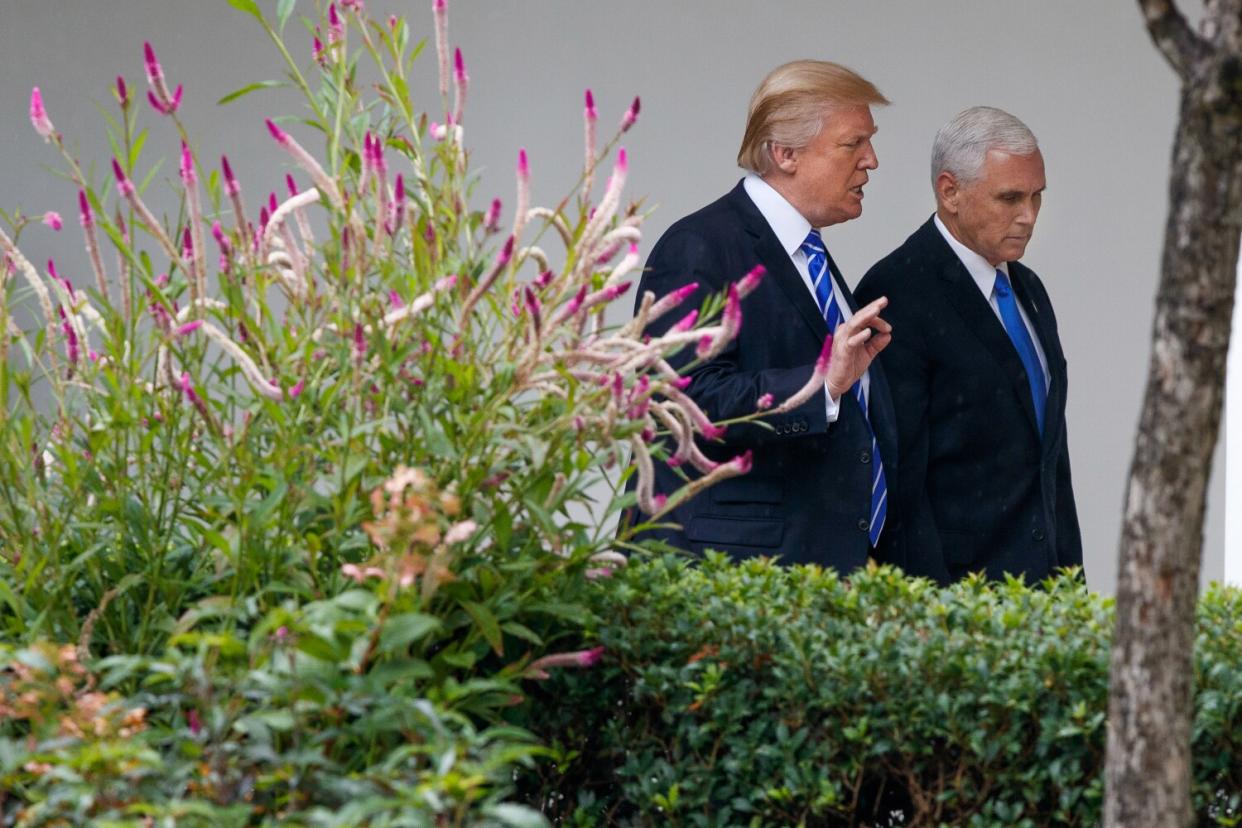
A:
{"x":869,"y":161}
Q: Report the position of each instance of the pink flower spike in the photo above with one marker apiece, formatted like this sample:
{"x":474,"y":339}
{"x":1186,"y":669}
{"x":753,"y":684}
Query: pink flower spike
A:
{"x":317,"y":48}
{"x":591,"y":115}
{"x":188,"y":176}
{"x":187,"y":244}
{"x":825,"y":354}
{"x":360,"y":341}
{"x":581,"y":658}
{"x":85,"y":215}
{"x":459,"y":68}
{"x":687,"y":321}
{"x":272,"y":203}
{"x":751,"y":280}
{"x":188,"y":328}
{"x":155,"y":72}
{"x":263,"y":217}
{"x":682,"y":383}
{"x":623,"y":162}
{"x":230,"y":181}
{"x":491,"y":222}
{"x":156,"y":103}
{"x":297,"y":389}
{"x":122,"y":92}
{"x":523,"y":166}
{"x":616,"y":290}
{"x":52,"y":219}
{"x":291,"y":184}
{"x":191,"y":719}
{"x":392,"y":22}
{"x":337,"y":29}
{"x":279,"y":134}
{"x":175,"y":103}
{"x":764,"y":402}
{"x":38,"y":116}
{"x":506,"y":253}
{"x":631,"y":115}
{"x":123,"y":184}
{"x":595,"y":573}
{"x":733,"y":310}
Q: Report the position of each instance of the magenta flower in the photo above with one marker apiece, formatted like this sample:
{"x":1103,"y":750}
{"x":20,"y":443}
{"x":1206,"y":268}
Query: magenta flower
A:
{"x":631,"y":115}
{"x":52,"y":219}
{"x":360,"y":341}
{"x":161,"y":101}
{"x":297,"y":388}
{"x":191,"y":719}
{"x":123,"y":184}
{"x":764,"y":402}
{"x":188,"y":328}
{"x":291,"y":184}
{"x":491,"y":221}
{"x":589,"y":109}
{"x":85,"y":215}
{"x":38,"y":116}
{"x":122,"y":92}
{"x":580,"y":658}
{"x":686,"y":322}
{"x":188,"y":176}
{"x":336,"y":28}
{"x":231,"y":187}
{"x":751,"y":280}
{"x":392,"y":22}
{"x":317,"y":48}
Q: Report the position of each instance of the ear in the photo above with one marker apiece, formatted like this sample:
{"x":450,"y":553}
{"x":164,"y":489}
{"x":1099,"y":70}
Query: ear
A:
{"x":947,"y":191}
{"x":785,"y":158}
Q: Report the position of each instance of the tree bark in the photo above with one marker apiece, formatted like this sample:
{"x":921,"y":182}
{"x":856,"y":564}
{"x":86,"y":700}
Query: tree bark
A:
{"x":1148,"y":770}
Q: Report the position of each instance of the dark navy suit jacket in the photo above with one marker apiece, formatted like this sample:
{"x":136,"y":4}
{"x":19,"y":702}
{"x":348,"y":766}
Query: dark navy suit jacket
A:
{"x":979,"y":488}
{"x":808,"y":495}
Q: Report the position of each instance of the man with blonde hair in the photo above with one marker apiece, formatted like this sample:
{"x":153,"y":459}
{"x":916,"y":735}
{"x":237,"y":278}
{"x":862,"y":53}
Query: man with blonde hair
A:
{"x":817,"y":490}
{"x":976,"y":369}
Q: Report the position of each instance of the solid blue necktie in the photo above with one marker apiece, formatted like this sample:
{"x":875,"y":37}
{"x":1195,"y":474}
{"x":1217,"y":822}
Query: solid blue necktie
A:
{"x":1022,"y":342}
{"x":821,"y":280}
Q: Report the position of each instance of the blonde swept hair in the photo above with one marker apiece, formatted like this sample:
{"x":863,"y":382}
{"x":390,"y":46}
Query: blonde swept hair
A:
{"x":788,"y":107}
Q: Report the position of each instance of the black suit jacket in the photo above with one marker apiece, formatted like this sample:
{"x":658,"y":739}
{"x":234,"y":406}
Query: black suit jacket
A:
{"x":807,"y":497}
{"x":978,"y":488}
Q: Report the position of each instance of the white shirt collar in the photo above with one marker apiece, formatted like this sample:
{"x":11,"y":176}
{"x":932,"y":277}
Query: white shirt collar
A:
{"x":982,"y":272}
{"x":786,"y":222}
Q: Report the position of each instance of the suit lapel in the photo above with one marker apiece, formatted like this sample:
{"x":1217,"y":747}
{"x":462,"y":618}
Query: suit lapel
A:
{"x":979,"y":318}
{"x":780,"y":267}
{"x":1040,"y":313}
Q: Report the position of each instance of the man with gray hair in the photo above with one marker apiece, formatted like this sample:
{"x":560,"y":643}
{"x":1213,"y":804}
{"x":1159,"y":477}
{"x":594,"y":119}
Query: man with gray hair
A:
{"x":976,"y":370}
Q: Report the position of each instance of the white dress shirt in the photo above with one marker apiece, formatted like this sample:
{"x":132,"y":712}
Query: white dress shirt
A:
{"x":791,"y":228}
{"x":985,"y":277}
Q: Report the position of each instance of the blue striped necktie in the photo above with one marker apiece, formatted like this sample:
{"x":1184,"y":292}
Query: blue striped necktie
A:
{"x":821,"y":280}
{"x":1021,"y":338}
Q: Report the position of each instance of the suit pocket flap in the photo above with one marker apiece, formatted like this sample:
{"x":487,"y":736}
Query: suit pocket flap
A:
{"x":731,"y":532}
{"x":748,"y":489}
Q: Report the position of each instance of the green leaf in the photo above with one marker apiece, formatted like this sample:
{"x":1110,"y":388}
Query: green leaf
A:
{"x":283,"y":9}
{"x":249,"y":7}
{"x":488,"y":625}
{"x":402,"y":630}
{"x":523,"y":632}
{"x":516,"y":816}
{"x":247,"y":89}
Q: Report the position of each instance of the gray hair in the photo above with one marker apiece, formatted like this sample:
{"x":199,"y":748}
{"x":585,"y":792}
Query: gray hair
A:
{"x":963,"y":143}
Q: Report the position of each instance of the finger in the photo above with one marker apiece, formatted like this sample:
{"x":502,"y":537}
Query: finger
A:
{"x":859,"y":338}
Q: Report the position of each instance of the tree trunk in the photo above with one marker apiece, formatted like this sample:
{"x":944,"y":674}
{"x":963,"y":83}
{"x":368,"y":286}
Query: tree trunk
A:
{"x":1148,"y":771}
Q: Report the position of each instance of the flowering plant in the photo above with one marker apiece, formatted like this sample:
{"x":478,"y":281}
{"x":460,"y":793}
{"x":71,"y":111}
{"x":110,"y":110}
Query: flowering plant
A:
{"x":355,"y":442}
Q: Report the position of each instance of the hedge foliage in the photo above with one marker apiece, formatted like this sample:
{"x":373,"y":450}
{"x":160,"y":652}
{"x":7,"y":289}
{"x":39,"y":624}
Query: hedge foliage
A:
{"x":753,"y":694}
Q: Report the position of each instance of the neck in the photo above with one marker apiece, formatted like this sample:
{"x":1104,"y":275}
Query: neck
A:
{"x":951,"y":224}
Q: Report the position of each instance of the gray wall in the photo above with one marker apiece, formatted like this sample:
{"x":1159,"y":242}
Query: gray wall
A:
{"x":1083,"y":75}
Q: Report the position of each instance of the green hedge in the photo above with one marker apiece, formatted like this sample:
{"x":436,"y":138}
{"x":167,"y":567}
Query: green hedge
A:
{"x":753,"y":694}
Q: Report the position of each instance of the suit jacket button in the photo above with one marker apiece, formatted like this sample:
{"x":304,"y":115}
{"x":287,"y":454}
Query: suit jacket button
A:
{"x":864,"y":456}
{"x":863,"y":525}
{"x":1037,"y":534}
